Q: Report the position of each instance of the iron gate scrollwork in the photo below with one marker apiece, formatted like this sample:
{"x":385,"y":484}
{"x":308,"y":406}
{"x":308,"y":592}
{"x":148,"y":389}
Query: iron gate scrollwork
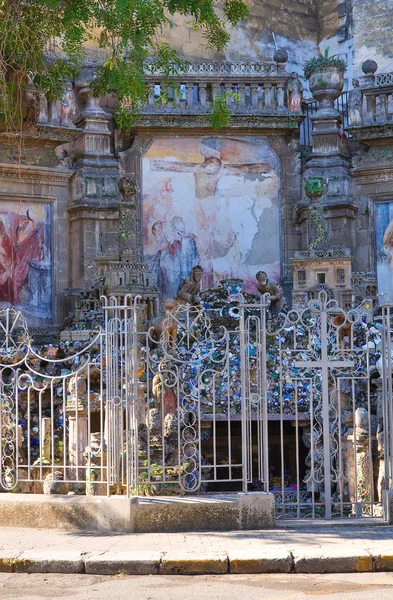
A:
{"x":317,"y":442}
{"x":291,"y":404}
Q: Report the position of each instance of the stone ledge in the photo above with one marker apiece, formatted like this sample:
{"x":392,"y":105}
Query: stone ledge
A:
{"x":254,"y":510}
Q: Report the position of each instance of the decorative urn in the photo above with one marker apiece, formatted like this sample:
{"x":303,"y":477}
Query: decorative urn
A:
{"x":326,"y":80}
{"x":326,"y":86}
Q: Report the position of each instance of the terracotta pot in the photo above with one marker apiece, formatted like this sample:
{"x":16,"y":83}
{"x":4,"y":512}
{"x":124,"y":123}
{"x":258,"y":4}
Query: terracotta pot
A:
{"x":326,"y":86}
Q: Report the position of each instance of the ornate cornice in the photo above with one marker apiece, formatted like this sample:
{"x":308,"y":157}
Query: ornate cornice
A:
{"x":33,"y":174}
{"x":200,"y":121}
{"x":372,"y":132}
{"x":373,"y":174}
{"x":52,"y":133}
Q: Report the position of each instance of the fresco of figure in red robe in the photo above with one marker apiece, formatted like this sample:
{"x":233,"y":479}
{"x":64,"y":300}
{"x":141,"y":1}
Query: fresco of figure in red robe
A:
{"x":7,"y":260}
{"x":27,"y":237}
{"x":21,"y":241}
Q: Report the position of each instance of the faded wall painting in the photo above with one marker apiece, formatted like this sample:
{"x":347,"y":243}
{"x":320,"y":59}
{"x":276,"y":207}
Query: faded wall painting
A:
{"x":25,"y":257}
{"x":211,"y":201}
{"x":384,"y":242}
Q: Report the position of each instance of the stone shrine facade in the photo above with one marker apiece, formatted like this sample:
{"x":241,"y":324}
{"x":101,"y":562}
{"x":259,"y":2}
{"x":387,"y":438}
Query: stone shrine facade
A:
{"x":133,"y":213}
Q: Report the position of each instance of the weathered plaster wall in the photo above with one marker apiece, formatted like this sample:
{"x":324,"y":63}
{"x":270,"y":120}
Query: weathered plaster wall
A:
{"x":328,"y":19}
{"x":373,"y":33}
{"x":294,"y":24}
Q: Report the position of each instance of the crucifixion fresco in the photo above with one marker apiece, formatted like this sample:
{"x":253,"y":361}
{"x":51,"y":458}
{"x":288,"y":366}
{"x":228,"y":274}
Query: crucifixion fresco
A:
{"x":213,"y":202}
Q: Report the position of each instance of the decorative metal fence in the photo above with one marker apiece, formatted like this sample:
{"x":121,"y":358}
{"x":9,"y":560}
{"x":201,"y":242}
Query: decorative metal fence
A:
{"x":224,"y":399}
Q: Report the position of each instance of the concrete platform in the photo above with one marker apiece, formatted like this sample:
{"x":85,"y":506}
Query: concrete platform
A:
{"x":253,"y":510}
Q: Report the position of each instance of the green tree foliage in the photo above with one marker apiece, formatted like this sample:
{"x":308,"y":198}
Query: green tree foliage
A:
{"x":42,"y":42}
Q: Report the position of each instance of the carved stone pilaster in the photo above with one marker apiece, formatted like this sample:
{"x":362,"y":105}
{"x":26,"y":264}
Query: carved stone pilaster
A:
{"x":334,"y":208}
{"x":327,"y":211}
{"x":125,"y":272}
{"x":93,"y":207}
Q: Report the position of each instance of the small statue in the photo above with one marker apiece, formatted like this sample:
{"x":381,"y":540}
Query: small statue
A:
{"x":31,"y":105}
{"x":164,"y":398}
{"x":190,"y":288}
{"x":164,"y":327}
{"x":295,"y":93}
{"x":77,"y":386}
{"x":127,"y":187}
{"x":355,"y":101}
{"x":43,"y":108}
{"x":274,"y":289}
{"x":68,"y":106}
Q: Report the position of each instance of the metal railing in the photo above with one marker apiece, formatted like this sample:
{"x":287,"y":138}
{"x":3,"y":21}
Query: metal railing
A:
{"x":226,"y":398}
{"x":310,"y":108}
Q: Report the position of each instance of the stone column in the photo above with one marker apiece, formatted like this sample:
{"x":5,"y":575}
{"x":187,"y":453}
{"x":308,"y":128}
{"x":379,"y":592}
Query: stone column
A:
{"x":45,"y":438}
{"x":328,"y":170}
{"x":93,"y":208}
{"x":78,"y":439}
{"x":357,"y":470}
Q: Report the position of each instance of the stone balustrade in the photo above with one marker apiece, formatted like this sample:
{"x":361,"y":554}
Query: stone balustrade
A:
{"x":378,"y":104}
{"x":260,"y":88}
{"x":371,"y":104}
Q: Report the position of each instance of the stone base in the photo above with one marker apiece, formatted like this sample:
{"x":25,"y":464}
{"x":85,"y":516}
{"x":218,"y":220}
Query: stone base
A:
{"x":254,"y":510}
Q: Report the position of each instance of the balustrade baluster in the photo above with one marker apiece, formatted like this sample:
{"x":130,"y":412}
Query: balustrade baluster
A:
{"x":151,"y":93}
{"x":215,"y":91}
{"x":176,"y":96}
{"x":254,"y":87}
{"x":189,"y":94}
{"x":241,"y":89}
{"x":202,"y":93}
{"x":228,"y":90}
{"x":371,"y":108}
{"x":383,"y":108}
{"x":280,"y":97}
{"x":267,"y":96}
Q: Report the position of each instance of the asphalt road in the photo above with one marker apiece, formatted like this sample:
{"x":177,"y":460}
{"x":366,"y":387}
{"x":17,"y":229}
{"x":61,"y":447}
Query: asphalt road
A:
{"x":368,"y":586}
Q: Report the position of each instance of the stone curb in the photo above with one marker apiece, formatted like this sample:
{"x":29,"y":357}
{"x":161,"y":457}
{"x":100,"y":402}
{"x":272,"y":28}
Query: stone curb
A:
{"x":190,"y":563}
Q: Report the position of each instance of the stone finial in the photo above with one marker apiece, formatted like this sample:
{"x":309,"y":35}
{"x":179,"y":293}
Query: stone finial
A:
{"x":280,"y":56}
{"x":369,"y":67}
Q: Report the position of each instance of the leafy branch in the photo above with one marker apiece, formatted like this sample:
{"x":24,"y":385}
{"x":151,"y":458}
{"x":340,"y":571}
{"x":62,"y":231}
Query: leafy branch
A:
{"x":43,"y":42}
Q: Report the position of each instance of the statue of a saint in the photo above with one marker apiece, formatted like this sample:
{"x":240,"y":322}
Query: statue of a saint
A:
{"x":68,"y":106}
{"x":295,"y":93}
{"x":274,"y":289}
{"x":355,"y":101}
{"x":190,"y":288}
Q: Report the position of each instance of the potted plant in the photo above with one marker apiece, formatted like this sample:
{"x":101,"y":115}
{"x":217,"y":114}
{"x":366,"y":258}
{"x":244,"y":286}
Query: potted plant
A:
{"x":326,"y":77}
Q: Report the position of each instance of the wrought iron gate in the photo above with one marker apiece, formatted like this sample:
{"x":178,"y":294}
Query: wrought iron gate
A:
{"x":313,"y":373}
{"x":290,"y":403}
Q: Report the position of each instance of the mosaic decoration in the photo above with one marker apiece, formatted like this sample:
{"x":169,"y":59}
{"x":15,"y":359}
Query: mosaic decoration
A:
{"x":315,"y":217}
{"x":314,"y":187}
